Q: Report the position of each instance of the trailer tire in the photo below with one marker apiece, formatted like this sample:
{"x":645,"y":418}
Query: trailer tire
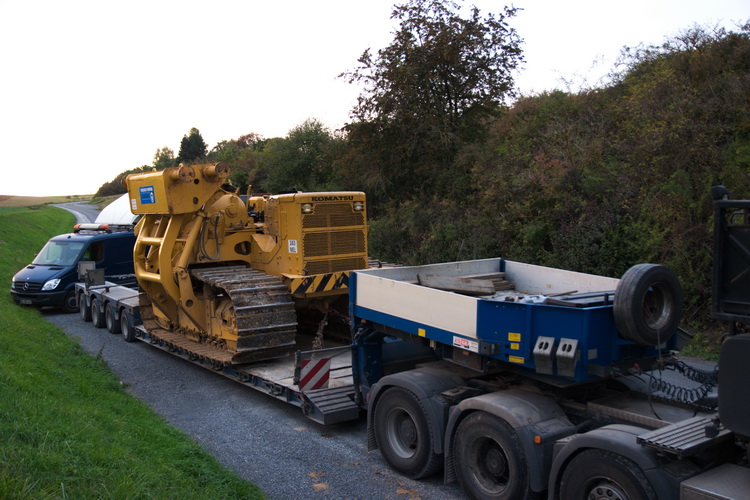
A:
{"x":83,"y":309}
{"x":647,"y":305}
{"x":70,"y":305}
{"x":127,"y":329}
{"x":403,"y":434}
{"x":113,"y":326}
{"x":97,"y":318}
{"x":489,"y":460}
{"x":603,"y":474}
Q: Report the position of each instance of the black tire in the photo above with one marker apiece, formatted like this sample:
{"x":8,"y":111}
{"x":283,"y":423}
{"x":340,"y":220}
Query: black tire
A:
{"x":70,"y":304}
{"x":97,"y":318}
{"x":113,"y":326}
{"x":404,"y":435}
{"x":648,"y":304}
{"x":127,"y":328}
{"x":489,"y":460}
{"x":84,"y":309}
{"x":601,"y":474}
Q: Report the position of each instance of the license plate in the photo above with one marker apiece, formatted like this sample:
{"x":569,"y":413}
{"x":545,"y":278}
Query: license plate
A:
{"x":26,"y":302}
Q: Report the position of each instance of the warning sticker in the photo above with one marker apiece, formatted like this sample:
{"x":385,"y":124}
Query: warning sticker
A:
{"x":469,"y":345}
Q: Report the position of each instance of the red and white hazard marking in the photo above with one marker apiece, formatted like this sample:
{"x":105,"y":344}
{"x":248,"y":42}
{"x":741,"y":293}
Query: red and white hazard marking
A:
{"x":314,"y":373}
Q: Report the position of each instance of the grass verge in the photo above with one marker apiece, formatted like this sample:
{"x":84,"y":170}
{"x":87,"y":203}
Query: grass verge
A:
{"x":67,"y":427}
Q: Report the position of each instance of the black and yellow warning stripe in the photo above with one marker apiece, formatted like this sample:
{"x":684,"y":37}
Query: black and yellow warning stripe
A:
{"x":319,"y":284}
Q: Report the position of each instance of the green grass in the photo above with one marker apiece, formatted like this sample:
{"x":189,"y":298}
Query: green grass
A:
{"x":67,"y":427}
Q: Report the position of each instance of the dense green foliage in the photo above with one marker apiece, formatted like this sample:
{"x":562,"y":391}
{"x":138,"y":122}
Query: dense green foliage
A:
{"x":594,"y":181}
{"x":67,"y":427}
{"x":192,"y":147}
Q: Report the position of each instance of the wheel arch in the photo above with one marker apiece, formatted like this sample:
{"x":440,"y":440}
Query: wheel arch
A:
{"x":426,"y":384}
{"x":529,"y":414}
{"x":619,"y":439}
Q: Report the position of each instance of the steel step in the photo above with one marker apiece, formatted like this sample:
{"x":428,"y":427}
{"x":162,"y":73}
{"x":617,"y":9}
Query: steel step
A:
{"x":683,"y":438}
{"x":334,"y":405}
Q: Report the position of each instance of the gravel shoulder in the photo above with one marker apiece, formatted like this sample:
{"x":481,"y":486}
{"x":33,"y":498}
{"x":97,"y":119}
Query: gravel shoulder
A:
{"x":266,"y":441}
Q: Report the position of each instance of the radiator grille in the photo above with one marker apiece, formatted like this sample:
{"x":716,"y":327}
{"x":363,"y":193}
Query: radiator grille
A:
{"x":334,"y":265}
{"x":334,"y":238}
{"x":333,"y":215}
{"x":333,"y":243}
{"x":32,"y":287}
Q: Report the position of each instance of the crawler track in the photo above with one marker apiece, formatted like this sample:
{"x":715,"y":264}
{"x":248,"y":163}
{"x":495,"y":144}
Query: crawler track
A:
{"x":263,"y":317}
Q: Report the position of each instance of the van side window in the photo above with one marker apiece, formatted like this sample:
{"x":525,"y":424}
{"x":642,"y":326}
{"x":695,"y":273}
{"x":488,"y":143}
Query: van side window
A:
{"x":95,"y":252}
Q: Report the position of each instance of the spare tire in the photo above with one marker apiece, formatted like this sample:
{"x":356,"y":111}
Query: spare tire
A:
{"x":648,"y":304}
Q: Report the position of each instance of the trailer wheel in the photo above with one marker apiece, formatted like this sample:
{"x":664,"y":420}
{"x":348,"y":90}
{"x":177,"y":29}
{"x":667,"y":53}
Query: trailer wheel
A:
{"x":489,"y":460}
{"x":113,"y":326}
{"x":647,"y":306}
{"x":127,"y":328}
{"x":83,"y":309}
{"x":70,"y":305}
{"x":601,"y":474}
{"x":403,"y":434}
{"x":96,"y":315}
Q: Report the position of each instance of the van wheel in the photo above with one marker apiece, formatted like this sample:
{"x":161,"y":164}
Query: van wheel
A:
{"x":70,"y":304}
{"x":126,"y":327}
{"x":403,"y":434}
{"x":113,"y":326}
{"x":83,"y":309}
{"x":96,"y":315}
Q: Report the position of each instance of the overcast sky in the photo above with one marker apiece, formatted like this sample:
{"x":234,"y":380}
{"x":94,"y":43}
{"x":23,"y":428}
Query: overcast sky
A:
{"x":89,"y":89}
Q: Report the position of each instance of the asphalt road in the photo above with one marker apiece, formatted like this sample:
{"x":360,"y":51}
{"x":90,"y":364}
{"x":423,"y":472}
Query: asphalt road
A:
{"x":266,"y":441}
{"x":84,"y":211}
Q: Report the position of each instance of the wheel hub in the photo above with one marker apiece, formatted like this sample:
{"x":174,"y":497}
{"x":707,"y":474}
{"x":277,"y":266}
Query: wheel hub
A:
{"x":407,"y":432}
{"x":607,"y":491}
{"x":496,"y":463}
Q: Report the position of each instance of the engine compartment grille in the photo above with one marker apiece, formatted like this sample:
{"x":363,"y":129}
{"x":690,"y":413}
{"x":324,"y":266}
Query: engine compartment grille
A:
{"x":335,"y":265}
{"x":333,"y":215}
{"x":334,"y":238}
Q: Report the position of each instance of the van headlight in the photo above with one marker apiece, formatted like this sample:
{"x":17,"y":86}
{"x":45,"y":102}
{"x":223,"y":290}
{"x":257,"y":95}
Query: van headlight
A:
{"x":51,"y":284}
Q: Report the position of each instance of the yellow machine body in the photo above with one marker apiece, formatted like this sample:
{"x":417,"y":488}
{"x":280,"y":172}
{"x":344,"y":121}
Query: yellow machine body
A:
{"x":225,"y":272}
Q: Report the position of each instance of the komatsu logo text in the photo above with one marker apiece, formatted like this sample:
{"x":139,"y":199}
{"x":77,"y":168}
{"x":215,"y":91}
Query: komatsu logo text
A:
{"x":332,"y":198}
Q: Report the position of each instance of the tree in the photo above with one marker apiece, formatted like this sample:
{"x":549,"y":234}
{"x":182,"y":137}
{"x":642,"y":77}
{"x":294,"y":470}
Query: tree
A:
{"x":301,"y":161}
{"x":433,"y":88}
{"x":241,"y":156}
{"x":439,"y":66}
{"x":192,"y":147}
{"x":163,"y":158}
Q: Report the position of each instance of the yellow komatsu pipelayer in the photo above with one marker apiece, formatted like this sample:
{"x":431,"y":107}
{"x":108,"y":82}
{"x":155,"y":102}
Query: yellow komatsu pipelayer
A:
{"x":224,"y":278}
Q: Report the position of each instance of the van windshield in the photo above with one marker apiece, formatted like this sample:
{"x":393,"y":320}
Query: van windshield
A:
{"x":59,"y":253}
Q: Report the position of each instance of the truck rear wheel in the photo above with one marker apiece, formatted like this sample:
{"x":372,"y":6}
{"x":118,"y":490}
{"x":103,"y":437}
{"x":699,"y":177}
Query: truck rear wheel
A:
{"x":648,"y":304}
{"x":83,"y":309}
{"x":403,"y":434}
{"x":96,"y":315}
{"x":127,"y":328}
{"x":489,"y":460}
{"x":601,"y":474}
{"x":113,"y":326}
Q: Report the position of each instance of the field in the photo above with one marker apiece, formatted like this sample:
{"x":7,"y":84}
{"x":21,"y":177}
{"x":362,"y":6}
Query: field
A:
{"x":27,"y":201}
{"x":68,"y":429}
